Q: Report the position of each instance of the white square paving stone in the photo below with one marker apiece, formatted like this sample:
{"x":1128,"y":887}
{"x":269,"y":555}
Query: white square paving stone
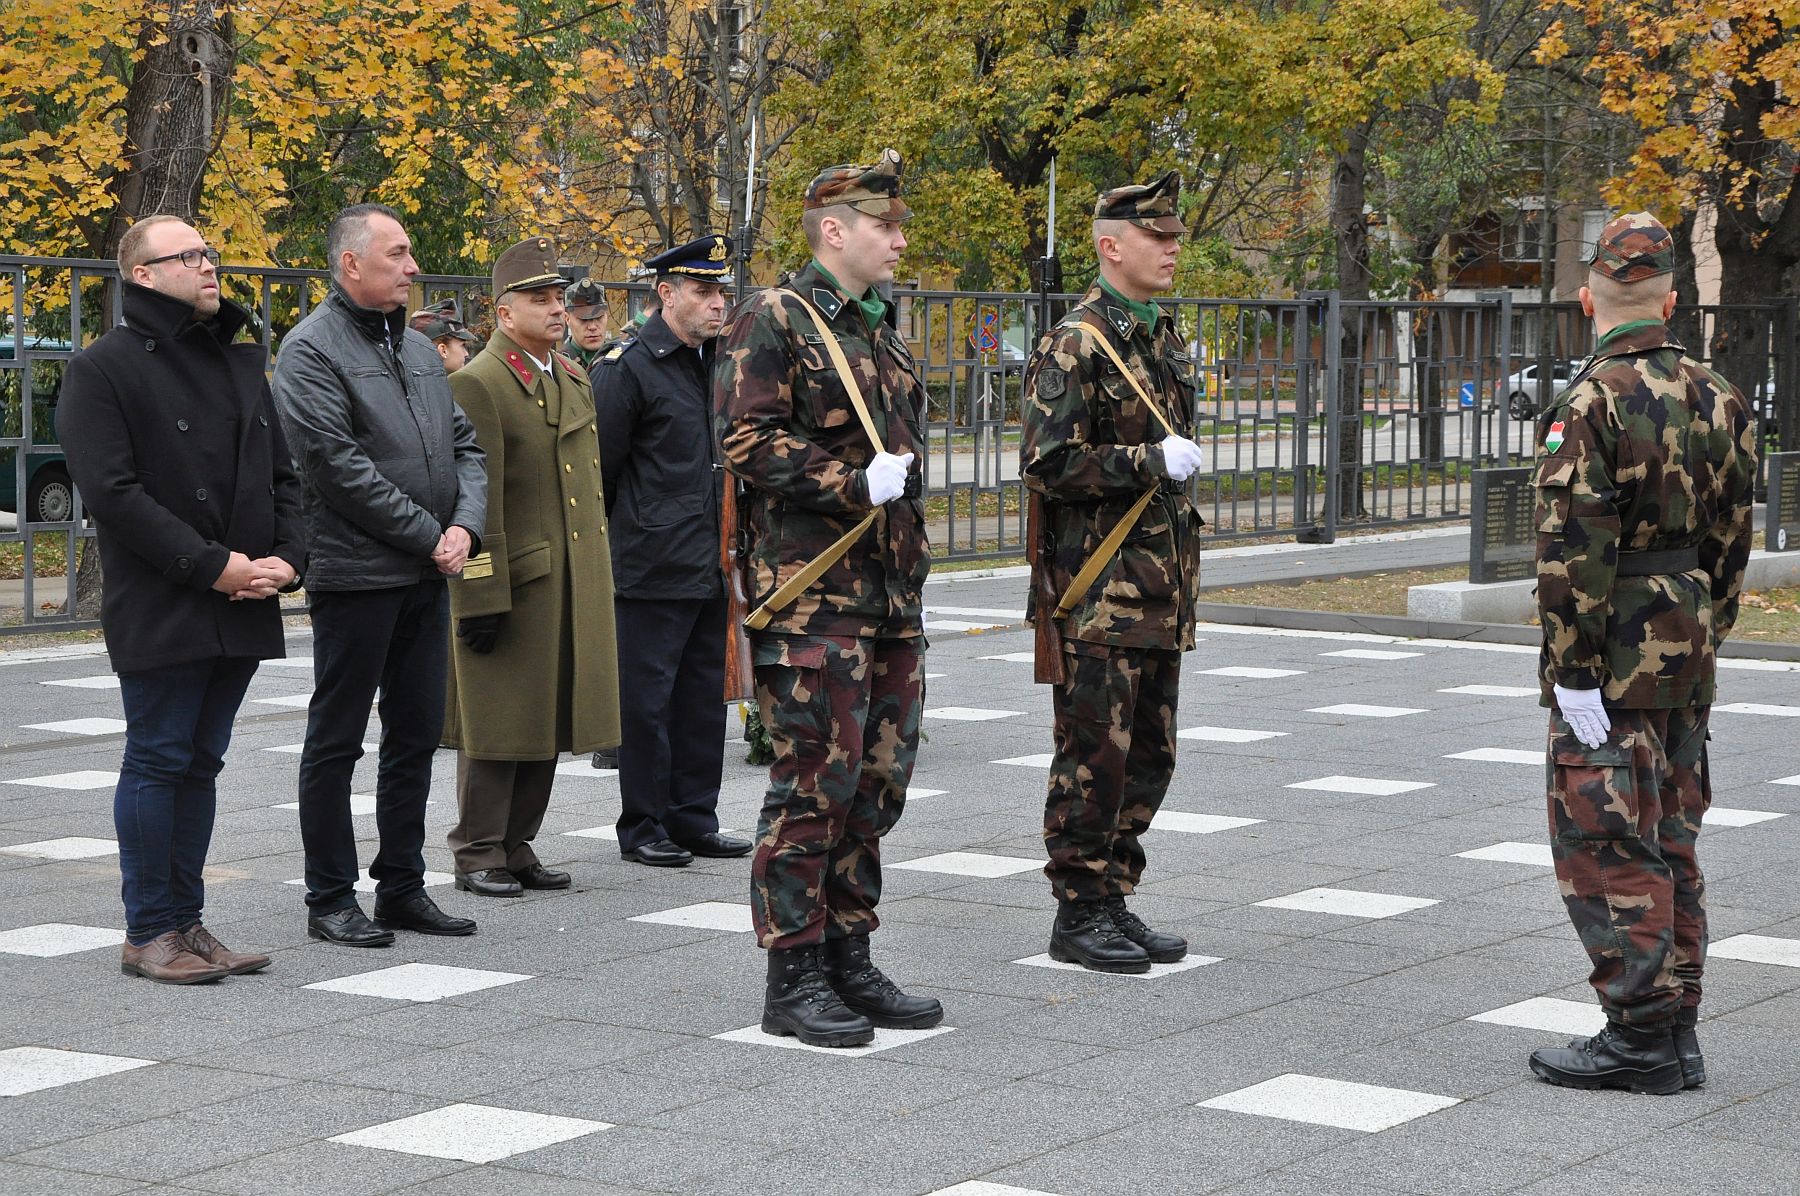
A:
{"x":1793,"y":780}
{"x":1157,"y":970}
{"x":1493,"y":691}
{"x":361,"y":805}
{"x":105,"y":681}
{"x":1512,"y":853}
{"x":885,"y":1040}
{"x":609,"y":832}
{"x":33,"y":1069}
{"x":581,"y":768}
{"x":1764,"y":708}
{"x":1014,"y":657}
{"x":1553,"y":1015}
{"x":72,"y":847}
{"x":289,"y":662}
{"x":366,"y":883}
{"x":968,"y":863}
{"x":970,"y":714}
{"x":1251,"y":672}
{"x":706,"y":915}
{"x":1499,"y":756}
{"x":80,"y":726}
{"x":418,"y":982}
{"x":1043,"y":760}
{"x":1364,"y":710}
{"x":472,"y":1133}
{"x":48,"y":940}
{"x":1372,"y":654}
{"x":294,"y":749}
{"x":1339,"y":1103}
{"x":1227,"y":734}
{"x":1365,"y":786}
{"x":981,"y":1187}
{"x":1348,"y":903}
{"x":290,"y":701}
{"x":913,"y":791}
{"x":1757,"y":948}
{"x":958,"y":625}
{"x":87,"y":778}
{"x":1197,"y":824}
{"x":1727,"y":816}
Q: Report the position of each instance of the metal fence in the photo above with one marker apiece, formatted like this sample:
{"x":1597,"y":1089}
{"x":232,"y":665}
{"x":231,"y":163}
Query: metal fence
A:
{"x":1318,"y":415}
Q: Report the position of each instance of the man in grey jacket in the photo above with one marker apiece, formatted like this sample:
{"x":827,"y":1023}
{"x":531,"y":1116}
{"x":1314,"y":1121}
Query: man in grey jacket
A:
{"x":395,"y":495}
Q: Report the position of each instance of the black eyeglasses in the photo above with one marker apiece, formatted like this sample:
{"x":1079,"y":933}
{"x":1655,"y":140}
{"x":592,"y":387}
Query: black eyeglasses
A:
{"x":191,"y":258}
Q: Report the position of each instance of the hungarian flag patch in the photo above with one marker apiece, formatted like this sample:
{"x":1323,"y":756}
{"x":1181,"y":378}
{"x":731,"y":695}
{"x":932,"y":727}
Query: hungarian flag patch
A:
{"x":1553,"y":440}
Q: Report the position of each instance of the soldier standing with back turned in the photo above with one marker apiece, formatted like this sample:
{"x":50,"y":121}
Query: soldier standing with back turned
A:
{"x":1644,"y":474}
{"x":840,"y":664}
{"x":1109,"y":405}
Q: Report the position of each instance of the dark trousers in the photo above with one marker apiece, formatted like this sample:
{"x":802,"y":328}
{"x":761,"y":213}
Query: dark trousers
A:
{"x":500,"y":806}
{"x":1624,"y":818}
{"x":394,"y":643}
{"x":1115,"y":757}
{"x":177,"y":727}
{"x":672,"y":725}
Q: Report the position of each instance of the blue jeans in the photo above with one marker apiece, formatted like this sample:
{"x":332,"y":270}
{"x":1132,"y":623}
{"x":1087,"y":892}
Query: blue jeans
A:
{"x":395,"y":643}
{"x":177,"y":727}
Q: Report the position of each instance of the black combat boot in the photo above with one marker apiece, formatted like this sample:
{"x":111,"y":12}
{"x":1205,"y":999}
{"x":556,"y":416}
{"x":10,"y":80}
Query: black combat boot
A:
{"x":1687,"y":1046}
{"x":1159,"y":945}
{"x":1638,"y":1058}
{"x":798,"y":1002}
{"x":1084,"y":933}
{"x":865,"y":990}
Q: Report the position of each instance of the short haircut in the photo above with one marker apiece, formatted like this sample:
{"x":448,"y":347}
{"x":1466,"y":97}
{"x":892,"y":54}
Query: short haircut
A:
{"x":1108,"y":228}
{"x":812,"y":221}
{"x":132,"y":250}
{"x":1642,"y":299}
{"x":349,"y":231}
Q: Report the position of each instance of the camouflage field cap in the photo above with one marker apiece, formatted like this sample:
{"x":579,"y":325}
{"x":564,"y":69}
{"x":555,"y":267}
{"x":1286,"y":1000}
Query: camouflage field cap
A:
{"x":1633,"y":246}
{"x":1151,"y":205}
{"x":873,"y":189}
{"x":527,"y":266}
{"x":444,"y":310}
{"x":586,"y":300}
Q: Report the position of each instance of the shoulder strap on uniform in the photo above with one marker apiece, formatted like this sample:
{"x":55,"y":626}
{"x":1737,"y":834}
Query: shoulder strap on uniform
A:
{"x":1106,"y":346}
{"x":839,"y":362}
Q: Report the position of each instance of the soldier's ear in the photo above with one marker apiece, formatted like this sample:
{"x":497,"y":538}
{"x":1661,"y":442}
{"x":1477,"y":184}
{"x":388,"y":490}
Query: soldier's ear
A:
{"x":1668,"y":306}
{"x":1587,"y":302}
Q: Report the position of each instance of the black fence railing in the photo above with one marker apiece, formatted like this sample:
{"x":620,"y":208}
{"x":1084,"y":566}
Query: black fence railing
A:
{"x":1317,"y":414}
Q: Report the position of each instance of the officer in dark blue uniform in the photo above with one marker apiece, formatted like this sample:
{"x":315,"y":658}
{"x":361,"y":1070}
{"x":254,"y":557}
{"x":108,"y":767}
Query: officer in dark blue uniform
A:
{"x":663,"y":481}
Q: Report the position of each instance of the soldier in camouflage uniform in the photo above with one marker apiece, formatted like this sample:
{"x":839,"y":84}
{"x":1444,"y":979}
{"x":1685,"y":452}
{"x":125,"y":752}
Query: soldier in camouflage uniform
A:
{"x":1091,"y":448}
{"x":586,"y":301}
{"x":1645,"y":468}
{"x":840,"y":672}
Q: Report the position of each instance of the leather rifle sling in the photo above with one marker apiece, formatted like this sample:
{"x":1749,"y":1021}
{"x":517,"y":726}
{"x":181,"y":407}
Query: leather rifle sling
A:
{"x":1109,"y":547}
{"x":814,"y":569}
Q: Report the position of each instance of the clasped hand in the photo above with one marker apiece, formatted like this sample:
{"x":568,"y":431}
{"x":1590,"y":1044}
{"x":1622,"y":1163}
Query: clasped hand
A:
{"x":245,"y":579}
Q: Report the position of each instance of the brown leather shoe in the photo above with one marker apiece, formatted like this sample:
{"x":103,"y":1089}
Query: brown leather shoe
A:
{"x":201,"y":942}
{"x":167,"y":960}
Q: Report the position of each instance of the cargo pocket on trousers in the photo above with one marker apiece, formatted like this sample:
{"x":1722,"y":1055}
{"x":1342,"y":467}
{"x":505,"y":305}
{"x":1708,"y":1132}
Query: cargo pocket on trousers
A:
{"x":1594,"y":797}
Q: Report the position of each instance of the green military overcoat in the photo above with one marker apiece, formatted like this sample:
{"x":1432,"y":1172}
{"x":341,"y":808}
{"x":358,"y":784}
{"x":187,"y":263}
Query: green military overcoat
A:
{"x":551,"y":684}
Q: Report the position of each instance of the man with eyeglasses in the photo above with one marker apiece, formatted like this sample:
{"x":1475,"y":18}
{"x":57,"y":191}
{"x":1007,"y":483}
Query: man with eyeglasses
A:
{"x":172,"y":440}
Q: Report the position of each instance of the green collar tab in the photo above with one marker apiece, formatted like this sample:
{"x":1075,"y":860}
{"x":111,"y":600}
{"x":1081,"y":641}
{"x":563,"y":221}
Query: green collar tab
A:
{"x":1147,"y":313}
{"x":1628,"y":327}
{"x":873,"y":306}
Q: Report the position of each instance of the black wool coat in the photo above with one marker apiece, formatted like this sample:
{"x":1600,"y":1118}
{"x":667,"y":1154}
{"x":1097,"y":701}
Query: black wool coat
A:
{"x":172,"y":441}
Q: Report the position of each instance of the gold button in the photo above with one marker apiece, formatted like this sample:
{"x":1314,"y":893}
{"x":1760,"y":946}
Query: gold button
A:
{"x":596,"y":460}
{"x":571,"y":501}
{"x":540,"y":402}
{"x":574,"y":535}
{"x":567,"y":468}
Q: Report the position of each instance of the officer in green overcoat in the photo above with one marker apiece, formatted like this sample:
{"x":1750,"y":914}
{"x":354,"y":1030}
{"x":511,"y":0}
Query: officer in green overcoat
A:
{"x":534,"y":670}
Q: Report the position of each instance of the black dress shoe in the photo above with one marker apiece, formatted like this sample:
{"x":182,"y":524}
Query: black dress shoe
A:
{"x":539,"y":877}
{"x":605,"y":758}
{"x":719,"y":847}
{"x":660,"y":854}
{"x":490,"y":882}
{"x":420,"y":913}
{"x":348,"y":927}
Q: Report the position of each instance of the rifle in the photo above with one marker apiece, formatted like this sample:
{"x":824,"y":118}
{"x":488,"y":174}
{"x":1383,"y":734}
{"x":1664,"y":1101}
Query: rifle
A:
{"x":734,"y":561}
{"x":1040,"y":551}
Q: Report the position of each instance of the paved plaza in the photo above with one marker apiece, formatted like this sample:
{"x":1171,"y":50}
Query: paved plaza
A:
{"x":1354,"y":844}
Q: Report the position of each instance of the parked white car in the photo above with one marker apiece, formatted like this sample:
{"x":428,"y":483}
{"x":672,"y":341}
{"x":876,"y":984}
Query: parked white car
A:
{"x":1525,"y":393}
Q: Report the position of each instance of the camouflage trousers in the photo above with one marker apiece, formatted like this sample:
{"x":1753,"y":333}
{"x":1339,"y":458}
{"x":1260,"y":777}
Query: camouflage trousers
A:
{"x":843,"y":714}
{"x":1115,"y":756}
{"x":1623,"y":820}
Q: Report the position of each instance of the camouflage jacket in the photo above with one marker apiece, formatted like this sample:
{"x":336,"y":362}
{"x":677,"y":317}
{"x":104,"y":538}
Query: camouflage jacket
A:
{"x":1089,"y":447}
{"x":787,"y":429}
{"x":1648,"y":450}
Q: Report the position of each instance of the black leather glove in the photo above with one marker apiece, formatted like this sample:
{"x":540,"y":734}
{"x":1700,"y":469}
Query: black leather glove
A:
{"x":479,"y":632}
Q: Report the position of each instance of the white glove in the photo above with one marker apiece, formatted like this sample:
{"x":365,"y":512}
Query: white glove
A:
{"x":1181,"y":457}
{"x":1585,"y":713}
{"x":887,"y":477}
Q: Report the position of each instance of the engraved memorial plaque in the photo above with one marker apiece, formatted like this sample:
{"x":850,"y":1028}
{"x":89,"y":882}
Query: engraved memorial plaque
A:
{"x":1502,"y":537}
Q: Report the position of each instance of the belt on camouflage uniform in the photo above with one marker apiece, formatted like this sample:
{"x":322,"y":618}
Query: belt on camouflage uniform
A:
{"x":1109,"y":547}
{"x":1659,"y":563}
{"x":814,"y":569}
